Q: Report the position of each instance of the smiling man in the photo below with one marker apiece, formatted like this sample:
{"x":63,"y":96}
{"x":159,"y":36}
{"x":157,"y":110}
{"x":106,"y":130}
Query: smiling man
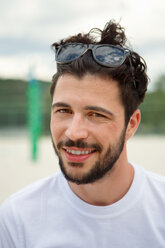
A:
{"x":89,"y":135}
{"x":98,"y":199}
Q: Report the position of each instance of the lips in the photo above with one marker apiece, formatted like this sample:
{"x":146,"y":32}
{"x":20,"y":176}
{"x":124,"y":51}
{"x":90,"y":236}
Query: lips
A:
{"x":74,"y":154}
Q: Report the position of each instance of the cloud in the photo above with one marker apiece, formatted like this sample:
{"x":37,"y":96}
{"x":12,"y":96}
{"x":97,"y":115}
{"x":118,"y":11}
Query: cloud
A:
{"x":10,"y":45}
{"x":28,"y":28}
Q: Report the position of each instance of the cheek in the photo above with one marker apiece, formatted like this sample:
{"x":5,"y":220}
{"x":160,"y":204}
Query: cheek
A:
{"x":57,"y":129}
{"x":108,"y":134}
{"x":102,"y":135}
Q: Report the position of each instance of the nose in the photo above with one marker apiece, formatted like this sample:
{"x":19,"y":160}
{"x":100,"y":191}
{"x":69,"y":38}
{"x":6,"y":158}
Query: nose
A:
{"x":77,"y":128}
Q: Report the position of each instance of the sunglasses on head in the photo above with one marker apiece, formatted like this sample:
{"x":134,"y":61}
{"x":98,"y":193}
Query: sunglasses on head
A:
{"x":104,"y":54}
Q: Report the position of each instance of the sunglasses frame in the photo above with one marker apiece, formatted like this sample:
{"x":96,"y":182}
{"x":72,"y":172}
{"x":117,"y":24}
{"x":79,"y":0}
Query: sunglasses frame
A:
{"x":93,"y":47}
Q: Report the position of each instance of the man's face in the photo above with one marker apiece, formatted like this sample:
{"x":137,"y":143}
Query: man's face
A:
{"x":87,"y":126}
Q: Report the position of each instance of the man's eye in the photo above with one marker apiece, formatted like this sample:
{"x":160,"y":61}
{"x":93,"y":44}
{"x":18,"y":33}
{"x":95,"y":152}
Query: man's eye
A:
{"x":64,"y":111}
{"x":97,"y":115}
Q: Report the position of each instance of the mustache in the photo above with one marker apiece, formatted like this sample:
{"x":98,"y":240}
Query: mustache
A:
{"x":79,"y":144}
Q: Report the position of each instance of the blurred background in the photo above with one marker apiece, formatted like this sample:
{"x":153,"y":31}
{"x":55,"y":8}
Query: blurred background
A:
{"x":27,"y":30}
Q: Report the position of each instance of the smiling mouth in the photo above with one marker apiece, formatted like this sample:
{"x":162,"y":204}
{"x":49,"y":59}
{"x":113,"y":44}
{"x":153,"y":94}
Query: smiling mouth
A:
{"x":78,"y":154}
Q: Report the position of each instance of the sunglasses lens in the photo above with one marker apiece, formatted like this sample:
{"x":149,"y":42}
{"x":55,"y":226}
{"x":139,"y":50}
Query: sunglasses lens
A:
{"x":110,"y":56}
{"x":70,"y":52}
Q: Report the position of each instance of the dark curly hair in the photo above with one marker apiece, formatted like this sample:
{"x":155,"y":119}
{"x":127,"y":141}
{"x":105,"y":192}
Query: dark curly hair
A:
{"x":131,"y":94}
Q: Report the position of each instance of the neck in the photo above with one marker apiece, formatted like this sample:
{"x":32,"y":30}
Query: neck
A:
{"x":109,"y":189}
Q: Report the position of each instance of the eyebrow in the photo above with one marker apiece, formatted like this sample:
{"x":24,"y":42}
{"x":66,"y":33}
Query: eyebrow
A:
{"x":100,"y":109}
{"x":60,"y":104}
{"x":94,"y":108}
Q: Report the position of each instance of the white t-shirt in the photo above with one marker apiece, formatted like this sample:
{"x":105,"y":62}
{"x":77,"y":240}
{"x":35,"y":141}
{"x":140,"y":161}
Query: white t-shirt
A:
{"x":48,"y":214}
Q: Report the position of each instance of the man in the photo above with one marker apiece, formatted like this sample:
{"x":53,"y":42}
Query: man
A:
{"x":99,"y":199}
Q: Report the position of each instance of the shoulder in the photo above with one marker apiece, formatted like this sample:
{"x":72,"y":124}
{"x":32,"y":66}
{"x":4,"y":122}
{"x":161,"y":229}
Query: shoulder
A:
{"x":155,"y":181}
{"x":30,"y":197}
{"x":155,"y":178}
{"x":150,"y":176}
{"x":154,"y":185}
{"x":152,"y":193}
{"x":27,"y":208}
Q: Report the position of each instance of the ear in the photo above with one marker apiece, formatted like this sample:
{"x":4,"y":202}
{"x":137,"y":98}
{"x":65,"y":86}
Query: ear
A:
{"x":133,"y":124}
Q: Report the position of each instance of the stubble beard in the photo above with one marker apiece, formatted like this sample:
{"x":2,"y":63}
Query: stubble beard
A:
{"x":100,"y":167}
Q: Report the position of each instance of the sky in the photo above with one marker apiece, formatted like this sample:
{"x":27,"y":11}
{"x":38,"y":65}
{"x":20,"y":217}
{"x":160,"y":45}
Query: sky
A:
{"x":28,"y":28}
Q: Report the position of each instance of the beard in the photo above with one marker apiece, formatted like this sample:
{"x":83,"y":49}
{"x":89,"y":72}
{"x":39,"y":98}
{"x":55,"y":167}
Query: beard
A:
{"x":100,"y":168}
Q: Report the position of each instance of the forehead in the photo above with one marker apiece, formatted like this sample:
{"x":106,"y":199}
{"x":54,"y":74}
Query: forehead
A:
{"x":88,"y":89}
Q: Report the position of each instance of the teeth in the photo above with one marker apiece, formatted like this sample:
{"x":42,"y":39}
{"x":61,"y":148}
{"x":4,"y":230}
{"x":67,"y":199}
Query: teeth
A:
{"x":77,"y":152}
